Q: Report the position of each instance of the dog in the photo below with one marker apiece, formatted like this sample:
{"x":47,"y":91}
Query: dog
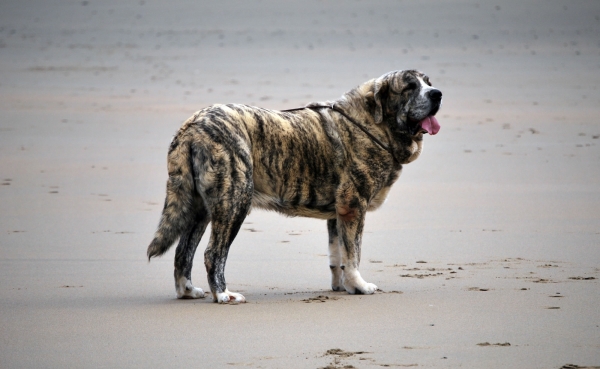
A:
{"x":333,"y":161}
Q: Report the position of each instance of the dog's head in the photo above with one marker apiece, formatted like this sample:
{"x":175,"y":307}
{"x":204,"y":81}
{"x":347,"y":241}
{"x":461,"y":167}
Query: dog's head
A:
{"x":407,"y":100}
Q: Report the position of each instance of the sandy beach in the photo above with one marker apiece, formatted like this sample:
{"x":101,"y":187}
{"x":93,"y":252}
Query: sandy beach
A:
{"x":487,"y":251}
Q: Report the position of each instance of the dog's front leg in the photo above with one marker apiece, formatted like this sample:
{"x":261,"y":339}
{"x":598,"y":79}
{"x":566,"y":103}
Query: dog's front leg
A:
{"x":350,"y":222}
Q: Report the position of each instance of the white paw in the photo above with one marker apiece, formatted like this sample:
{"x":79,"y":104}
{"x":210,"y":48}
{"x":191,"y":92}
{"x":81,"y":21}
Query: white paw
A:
{"x":354,"y":284}
{"x":229,"y":297}
{"x":366,"y":289}
{"x":193,"y":293}
{"x":185,"y":290}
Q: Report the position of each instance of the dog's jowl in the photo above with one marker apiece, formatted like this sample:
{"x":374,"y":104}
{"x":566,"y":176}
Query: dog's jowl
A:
{"x":334,"y":160}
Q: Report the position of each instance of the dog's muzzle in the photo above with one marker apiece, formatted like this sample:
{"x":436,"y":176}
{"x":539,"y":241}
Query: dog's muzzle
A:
{"x":430,"y":124}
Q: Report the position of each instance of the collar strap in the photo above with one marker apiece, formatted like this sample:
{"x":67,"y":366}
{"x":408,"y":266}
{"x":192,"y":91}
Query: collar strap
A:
{"x":358,"y":125}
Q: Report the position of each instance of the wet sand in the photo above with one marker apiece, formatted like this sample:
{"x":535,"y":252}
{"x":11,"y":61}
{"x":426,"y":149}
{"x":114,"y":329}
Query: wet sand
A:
{"x":487,"y":252}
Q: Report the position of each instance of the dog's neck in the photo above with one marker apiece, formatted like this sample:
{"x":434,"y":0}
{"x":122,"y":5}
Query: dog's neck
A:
{"x":356,"y":104}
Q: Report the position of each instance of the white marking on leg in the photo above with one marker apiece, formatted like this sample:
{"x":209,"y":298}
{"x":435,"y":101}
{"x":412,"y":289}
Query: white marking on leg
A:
{"x":185,"y":289}
{"x":354,"y":283}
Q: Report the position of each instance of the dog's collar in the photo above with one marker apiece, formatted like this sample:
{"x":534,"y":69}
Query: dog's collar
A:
{"x":360,"y":126}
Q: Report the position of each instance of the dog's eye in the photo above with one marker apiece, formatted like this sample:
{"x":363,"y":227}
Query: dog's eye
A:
{"x":411,"y":86}
{"x":426,"y":80}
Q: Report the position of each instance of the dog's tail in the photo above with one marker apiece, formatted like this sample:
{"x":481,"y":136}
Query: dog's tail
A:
{"x":182,"y":203}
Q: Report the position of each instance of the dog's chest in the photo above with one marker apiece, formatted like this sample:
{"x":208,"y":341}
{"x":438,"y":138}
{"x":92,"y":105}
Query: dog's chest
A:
{"x":379,"y":198}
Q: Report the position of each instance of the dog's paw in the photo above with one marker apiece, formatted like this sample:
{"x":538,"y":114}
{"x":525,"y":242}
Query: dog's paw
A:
{"x":367,"y":289}
{"x":229,"y":297}
{"x":194,"y":293}
{"x":336,"y":278}
{"x":185,"y":290}
{"x":354,"y":284}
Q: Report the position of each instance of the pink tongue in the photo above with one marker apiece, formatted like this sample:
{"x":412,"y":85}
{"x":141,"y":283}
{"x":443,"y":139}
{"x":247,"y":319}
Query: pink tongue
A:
{"x":431,"y":125}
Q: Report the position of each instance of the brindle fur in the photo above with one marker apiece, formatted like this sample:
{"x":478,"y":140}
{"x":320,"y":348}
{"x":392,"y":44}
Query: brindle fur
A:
{"x":226,"y":159}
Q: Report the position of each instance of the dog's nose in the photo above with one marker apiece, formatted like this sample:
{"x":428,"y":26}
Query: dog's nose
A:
{"x":435,"y":95}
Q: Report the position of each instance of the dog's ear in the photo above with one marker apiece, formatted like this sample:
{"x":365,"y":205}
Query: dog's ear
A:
{"x":380,"y":92}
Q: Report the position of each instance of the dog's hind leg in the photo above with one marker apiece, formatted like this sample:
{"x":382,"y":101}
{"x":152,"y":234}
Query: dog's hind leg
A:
{"x":335,"y":256}
{"x":184,"y":257}
{"x":226,"y":223}
{"x":227,"y":218}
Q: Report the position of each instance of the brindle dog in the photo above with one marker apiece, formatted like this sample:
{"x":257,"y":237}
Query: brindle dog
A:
{"x":333,"y":161}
